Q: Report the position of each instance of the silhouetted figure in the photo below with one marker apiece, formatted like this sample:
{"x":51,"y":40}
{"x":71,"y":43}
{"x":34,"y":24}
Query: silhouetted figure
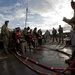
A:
{"x":35,"y":36}
{"x":25,"y":33}
{"x":31,"y":42}
{"x":60,"y":30}
{"x":5,"y":36}
{"x":72,"y":20}
{"x":72,"y":23}
{"x":39,"y":38}
{"x":54,"y":34}
{"x":21,"y":43}
{"x":47,"y":36}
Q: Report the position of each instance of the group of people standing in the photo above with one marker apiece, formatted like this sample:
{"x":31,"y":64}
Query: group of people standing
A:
{"x":33,"y":38}
{"x":58,"y":38}
{"x":22,"y":40}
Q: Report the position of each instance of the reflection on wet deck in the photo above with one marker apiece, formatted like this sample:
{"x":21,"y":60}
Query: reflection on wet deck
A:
{"x":11,"y":66}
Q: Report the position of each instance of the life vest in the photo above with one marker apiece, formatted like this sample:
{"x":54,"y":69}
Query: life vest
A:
{"x":39,"y":36}
{"x":18,"y":36}
{"x":31,"y":37}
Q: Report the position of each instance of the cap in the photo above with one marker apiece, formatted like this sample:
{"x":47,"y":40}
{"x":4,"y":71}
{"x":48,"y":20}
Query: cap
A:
{"x":59,"y":25}
{"x":6,"y":21}
{"x":28,"y":28}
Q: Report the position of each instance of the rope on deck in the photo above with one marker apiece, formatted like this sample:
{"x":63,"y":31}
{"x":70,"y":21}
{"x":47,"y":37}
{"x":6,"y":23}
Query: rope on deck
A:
{"x":41,"y":65}
{"x":58,"y":51}
{"x":37,"y":71}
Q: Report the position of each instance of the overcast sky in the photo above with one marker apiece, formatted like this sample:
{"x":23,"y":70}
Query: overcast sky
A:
{"x":44,"y":14}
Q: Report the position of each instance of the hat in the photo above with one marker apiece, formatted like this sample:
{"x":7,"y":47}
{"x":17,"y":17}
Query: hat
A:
{"x":6,"y":21}
{"x":28,"y":28}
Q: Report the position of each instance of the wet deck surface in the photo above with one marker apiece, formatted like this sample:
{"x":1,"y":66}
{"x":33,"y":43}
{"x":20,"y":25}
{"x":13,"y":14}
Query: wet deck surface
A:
{"x":12,"y":66}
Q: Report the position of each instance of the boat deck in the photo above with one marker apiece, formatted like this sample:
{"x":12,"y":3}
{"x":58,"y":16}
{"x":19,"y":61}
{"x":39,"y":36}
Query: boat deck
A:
{"x":12,"y":66}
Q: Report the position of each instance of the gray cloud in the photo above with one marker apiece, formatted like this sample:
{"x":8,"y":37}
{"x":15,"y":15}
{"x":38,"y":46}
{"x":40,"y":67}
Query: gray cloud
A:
{"x":44,"y":14}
